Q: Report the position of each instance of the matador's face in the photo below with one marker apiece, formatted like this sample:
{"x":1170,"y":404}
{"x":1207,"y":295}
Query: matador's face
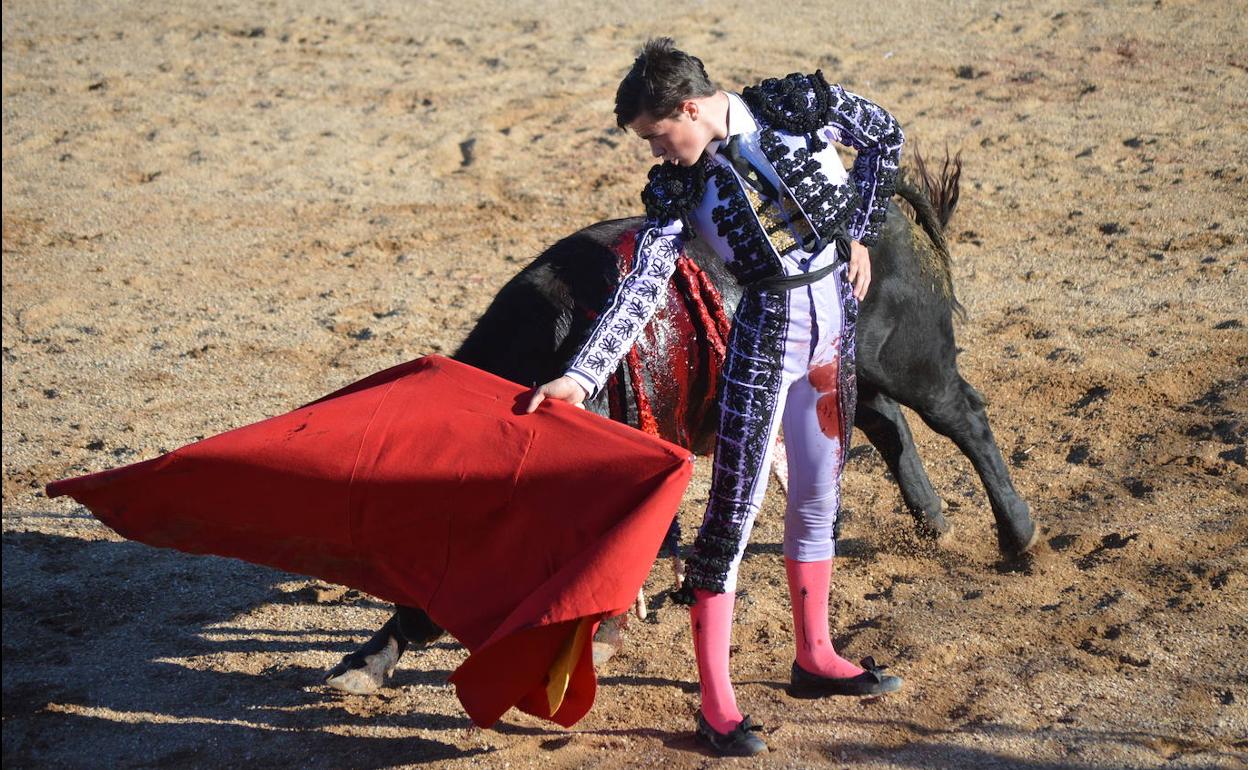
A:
{"x":678,"y":139}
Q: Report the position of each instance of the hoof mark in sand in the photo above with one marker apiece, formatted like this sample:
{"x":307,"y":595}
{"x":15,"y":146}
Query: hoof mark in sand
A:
{"x":1112,"y":541}
{"x":467,"y":148}
{"x":1093,"y":394}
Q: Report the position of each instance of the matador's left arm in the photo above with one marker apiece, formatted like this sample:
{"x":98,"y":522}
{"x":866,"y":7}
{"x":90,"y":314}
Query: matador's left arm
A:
{"x":877,"y":136}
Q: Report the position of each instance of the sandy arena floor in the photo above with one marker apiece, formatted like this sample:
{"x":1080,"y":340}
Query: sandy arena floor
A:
{"x":215,"y":212}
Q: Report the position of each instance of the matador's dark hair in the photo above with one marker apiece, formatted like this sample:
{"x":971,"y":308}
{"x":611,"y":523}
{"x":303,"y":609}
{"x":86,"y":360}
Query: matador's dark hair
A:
{"x":662,"y":76}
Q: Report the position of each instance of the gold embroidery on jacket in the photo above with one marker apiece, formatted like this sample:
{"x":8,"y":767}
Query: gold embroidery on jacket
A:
{"x":773,"y":223}
{"x":780,"y":225}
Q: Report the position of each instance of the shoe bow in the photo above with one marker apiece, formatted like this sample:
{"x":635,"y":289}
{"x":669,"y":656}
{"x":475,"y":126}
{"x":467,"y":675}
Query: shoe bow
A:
{"x":869,"y":666}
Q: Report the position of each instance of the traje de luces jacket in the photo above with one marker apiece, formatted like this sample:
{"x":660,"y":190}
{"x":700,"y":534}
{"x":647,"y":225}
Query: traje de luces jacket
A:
{"x":787,"y":126}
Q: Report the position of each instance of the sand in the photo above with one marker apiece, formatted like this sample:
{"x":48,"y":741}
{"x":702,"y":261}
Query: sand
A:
{"x":213,"y":213}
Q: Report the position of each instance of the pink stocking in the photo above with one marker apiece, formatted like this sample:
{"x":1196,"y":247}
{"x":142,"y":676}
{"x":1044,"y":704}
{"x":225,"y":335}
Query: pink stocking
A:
{"x":712,"y":632}
{"x":808,"y":591}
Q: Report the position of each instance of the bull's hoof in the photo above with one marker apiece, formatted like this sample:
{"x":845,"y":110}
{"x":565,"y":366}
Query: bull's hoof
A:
{"x":931,"y":525}
{"x":609,"y":638}
{"x":602,"y":653}
{"x":361,"y":674}
{"x":1016,"y":538}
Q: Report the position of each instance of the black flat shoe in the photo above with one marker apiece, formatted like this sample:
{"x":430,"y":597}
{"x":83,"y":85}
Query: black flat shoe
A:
{"x":740,"y":741}
{"x":872,"y":681}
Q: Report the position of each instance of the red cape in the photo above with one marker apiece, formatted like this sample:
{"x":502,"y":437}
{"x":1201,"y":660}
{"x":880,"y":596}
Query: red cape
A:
{"x":426,"y":485}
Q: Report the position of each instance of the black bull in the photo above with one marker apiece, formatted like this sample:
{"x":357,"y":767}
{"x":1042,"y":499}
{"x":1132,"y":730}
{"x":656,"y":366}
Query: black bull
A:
{"x":906,"y":356}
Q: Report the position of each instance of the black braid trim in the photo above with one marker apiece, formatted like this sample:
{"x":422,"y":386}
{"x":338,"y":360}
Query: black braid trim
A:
{"x":695,"y":580}
{"x":828,"y":205}
{"x":719,"y":544}
{"x":707,"y":568}
{"x":885,"y":187}
{"x":796,"y":104}
{"x":673,"y":191}
{"x":753,"y":257}
{"x":706,"y":580}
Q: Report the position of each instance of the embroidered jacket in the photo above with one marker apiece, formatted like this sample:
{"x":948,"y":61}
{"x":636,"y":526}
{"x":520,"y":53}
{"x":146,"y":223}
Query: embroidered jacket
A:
{"x":785,"y":133}
{"x":807,"y":106}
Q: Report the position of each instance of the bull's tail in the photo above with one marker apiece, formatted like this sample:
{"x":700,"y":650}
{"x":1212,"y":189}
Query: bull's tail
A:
{"x":933,"y":199}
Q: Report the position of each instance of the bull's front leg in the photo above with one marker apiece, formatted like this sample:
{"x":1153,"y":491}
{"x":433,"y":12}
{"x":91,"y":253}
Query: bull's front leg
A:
{"x":365,"y":671}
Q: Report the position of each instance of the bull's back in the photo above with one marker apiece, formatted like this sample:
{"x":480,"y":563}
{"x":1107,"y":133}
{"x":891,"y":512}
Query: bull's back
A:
{"x":905,"y":323}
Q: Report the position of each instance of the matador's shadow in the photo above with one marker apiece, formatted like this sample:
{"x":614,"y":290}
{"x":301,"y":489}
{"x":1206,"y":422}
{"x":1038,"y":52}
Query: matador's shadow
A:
{"x":113,"y":656}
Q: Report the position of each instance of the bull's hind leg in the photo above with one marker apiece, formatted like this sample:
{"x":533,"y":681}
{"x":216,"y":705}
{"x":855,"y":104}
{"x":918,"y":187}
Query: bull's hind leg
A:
{"x":365,"y":671}
{"x":956,"y":410}
{"x":881,"y":419}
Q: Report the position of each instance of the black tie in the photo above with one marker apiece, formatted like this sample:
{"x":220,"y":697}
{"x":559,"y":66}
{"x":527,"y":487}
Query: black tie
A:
{"x":752,"y":176}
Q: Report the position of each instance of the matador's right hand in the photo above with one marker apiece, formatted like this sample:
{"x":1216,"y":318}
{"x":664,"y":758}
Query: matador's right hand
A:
{"x":564,"y":388}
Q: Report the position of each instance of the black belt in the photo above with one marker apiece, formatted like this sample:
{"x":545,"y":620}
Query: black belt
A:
{"x":791,"y":282}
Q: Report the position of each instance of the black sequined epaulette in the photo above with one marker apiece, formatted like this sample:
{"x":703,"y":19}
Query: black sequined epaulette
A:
{"x":797,"y":104}
{"x":674,"y":191}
